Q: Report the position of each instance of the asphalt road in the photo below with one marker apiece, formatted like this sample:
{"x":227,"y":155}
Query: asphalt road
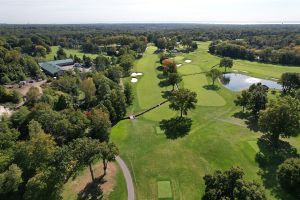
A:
{"x":128,"y":178}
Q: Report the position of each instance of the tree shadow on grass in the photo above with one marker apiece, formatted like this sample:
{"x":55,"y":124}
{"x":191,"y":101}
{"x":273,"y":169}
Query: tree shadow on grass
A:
{"x":163,"y":83}
{"x":161,"y":76}
{"x":176,"y":127}
{"x":160,"y":68}
{"x":269,"y":158}
{"x":211,"y":87}
{"x":251,"y":120}
{"x":166,"y":94}
{"x":92,"y":190}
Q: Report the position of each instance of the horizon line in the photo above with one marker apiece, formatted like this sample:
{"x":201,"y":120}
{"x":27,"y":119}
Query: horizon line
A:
{"x":167,"y":22}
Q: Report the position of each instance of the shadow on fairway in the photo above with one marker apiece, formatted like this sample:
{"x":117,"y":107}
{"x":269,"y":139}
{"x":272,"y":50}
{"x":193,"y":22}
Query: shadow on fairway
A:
{"x":176,"y":127}
{"x":269,"y":158}
{"x":251,"y":120}
{"x":211,"y":87}
{"x":92,"y":190}
{"x":159,"y":68}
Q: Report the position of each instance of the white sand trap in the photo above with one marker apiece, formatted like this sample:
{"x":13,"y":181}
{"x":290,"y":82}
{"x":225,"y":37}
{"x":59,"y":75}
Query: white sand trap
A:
{"x":245,"y":71}
{"x":235,"y":70}
{"x":178,"y":65}
{"x":134,"y":80}
{"x":188,"y":61}
{"x":135,"y":74}
{"x":252,"y":80}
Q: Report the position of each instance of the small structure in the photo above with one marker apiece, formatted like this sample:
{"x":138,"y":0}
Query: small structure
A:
{"x":57,"y":67}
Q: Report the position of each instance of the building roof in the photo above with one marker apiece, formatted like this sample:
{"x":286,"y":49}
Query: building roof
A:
{"x":50,"y":68}
{"x":54,"y":66}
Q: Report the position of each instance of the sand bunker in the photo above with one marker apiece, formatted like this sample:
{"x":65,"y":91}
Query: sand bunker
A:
{"x":135,"y":74}
{"x":178,"y":65}
{"x":188,"y":61}
{"x":134,"y":80}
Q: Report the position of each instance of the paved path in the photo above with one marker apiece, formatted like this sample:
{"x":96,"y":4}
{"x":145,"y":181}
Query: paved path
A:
{"x":128,"y":178}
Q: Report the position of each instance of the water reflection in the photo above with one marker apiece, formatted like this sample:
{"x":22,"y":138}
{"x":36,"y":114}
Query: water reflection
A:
{"x":238,"y":82}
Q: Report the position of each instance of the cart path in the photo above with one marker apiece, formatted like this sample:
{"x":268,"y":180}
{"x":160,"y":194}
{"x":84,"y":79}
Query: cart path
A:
{"x":128,"y":178}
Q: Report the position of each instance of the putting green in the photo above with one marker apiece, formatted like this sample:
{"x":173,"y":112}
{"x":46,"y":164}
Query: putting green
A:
{"x":189,"y":69}
{"x":205,"y":97}
{"x":164,"y":190}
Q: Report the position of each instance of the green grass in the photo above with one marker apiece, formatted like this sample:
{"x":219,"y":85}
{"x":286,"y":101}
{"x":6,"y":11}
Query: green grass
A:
{"x":217,"y":140}
{"x":164,"y":190}
{"x":77,"y":52}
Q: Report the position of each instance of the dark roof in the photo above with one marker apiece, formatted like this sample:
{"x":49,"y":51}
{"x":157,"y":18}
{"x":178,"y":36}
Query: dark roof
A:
{"x":53,"y":67}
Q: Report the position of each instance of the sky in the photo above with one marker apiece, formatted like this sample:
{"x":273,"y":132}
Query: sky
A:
{"x":111,"y":11}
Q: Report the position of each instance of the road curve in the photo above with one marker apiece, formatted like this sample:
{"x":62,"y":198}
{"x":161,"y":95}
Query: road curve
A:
{"x":128,"y":178}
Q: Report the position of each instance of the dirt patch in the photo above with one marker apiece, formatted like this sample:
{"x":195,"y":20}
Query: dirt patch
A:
{"x":5,"y":111}
{"x":107,"y":183}
{"x":25,"y":88}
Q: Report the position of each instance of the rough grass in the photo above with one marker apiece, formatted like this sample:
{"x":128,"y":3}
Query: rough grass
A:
{"x":217,"y":140}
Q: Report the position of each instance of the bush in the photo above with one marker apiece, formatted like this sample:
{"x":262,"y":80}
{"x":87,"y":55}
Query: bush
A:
{"x":288,"y":175}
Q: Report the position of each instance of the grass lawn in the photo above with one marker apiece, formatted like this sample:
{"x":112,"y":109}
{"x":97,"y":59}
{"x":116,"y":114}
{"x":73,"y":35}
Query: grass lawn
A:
{"x":164,"y":190}
{"x":77,"y":52}
{"x":217,"y":140}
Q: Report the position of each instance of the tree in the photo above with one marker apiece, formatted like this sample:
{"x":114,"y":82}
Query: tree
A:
{"x":8,"y":136}
{"x":290,"y":81}
{"x":183,"y":100}
{"x":230,"y":185}
{"x":128,"y":93}
{"x":101,"y":62}
{"x":32,"y":96}
{"x":10,"y":179}
{"x":108,"y":153}
{"x":64,"y":101}
{"x":100,"y":125}
{"x":258,"y":98}
{"x":126,"y":62}
{"x":242,"y":100}
{"x":61,"y":54}
{"x":174,"y":78}
{"x":89,"y":89}
{"x":281,"y":118}
{"x":213,"y":74}
{"x":288,"y":174}
{"x":169,"y":66}
{"x":226,"y":63}
{"x":37,"y":152}
{"x":114,"y":73}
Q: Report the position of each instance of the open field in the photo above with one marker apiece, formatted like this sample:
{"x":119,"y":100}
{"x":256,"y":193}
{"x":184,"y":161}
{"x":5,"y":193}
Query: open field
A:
{"x":77,"y":52}
{"x":217,"y":140}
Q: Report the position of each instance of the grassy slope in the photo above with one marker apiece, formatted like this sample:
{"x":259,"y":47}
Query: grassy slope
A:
{"x":77,"y":52}
{"x":216,"y":141}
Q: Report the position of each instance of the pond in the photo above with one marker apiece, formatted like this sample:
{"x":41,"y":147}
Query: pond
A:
{"x":238,"y":82}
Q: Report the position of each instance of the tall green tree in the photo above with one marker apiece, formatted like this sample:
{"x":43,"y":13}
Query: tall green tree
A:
{"x":290,"y":81}
{"x":174,"y":78}
{"x":226,"y":63}
{"x":128,"y":93}
{"x":61,"y":54}
{"x":230,"y":185}
{"x":258,"y":98}
{"x":242,"y":99}
{"x":108,"y":153}
{"x":32,"y":96}
{"x":183,"y":100}
{"x":100,"y":125}
{"x":213,"y":74}
{"x":89,"y":89}
{"x":288,"y":174}
{"x":280,"y":118}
